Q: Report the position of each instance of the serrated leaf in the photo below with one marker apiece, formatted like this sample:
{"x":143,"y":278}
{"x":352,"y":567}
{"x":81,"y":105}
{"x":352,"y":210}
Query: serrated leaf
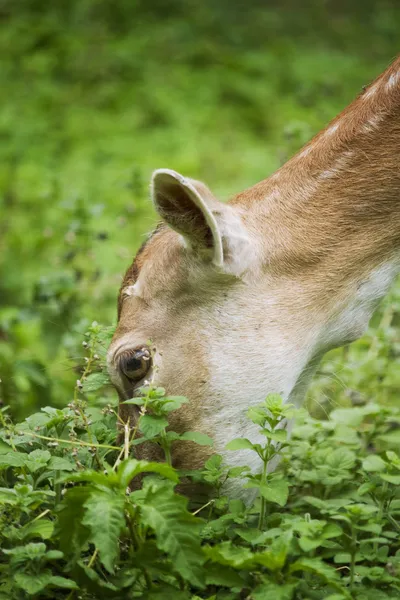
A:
{"x":227,"y":554}
{"x":316,"y":566}
{"x":275,"y":490}
{"x":105,"y":519}
{"x":151,"y":425}
{"x":32,"y":583}
{"x":239,"y":444}
{"x":274,"y":591}
{"x":199,"y":438}
{"x":176,"y":530}
{"x":72,"y":532}
{"x":95,"y":381}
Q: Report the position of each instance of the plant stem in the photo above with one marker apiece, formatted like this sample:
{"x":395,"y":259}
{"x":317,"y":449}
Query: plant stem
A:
{"x":353,"y":557}
{"x":72,"y":443}
{"x":263,"y":482}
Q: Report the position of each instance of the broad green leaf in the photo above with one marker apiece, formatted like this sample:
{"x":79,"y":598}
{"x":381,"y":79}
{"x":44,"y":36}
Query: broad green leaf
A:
{"x":275,"y":490}
{"x":341,"y":458}
{"x":374,"y":463}
{"x":278,"y":435}
{"x":12,"y":459}
{"x":395,"y":479}
{"x":105,"y":519}
{"x":63,"y":583}
{"x":392,"y":438}
{"x":239,"y":444}
{"x":171,"y":403}
{"x":217,"y":574}
{"x":95,"y":381}
{"x":72,"y":532}
{"x":42,"y":528}
{"x":32,"y":584}
{"x":176,"y":530}
{"x":151,"y":426}
{"x":316,"y":566}
{"x":140,"y":401}
{"x":5,"y":448}
{"x":274,"y":591}
{"x":61,"y":464}
{"x":227,"y":554}
{"x":8,"y":496}
{"x":199,"y":438}
{"x":132,"y":467}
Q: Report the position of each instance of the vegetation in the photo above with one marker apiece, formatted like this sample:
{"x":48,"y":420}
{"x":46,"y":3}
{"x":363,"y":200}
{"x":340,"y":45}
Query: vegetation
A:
{"x":323,"y":526}
{"x":96,"y":94}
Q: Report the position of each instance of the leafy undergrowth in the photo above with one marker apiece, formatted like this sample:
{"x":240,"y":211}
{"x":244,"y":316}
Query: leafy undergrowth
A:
{"x":325,"y":525}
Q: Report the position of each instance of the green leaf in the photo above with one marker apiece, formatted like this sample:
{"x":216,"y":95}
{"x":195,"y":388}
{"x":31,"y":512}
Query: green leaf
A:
{"x":395,"y":479}
{"x":12,"y":459}
{"x":176,"y":530}
{"x":32,"y":584}
{"x":5,"y":448}
{"x":61,"y":464}
{"x":217,"y":574}
{"x":129,"y":469}
{"x":374,"y":463}
{"x":239,"y":444}
{"x":105,"y":519}
{"x":42,"y":528}
{"x":278,"y":435}
{"x":392,"y":438}
{"x":171,"y":403}
{"x":199,"y":438}
{"x":95,"y":381}
{"x":72,"y":532}
{"x":274,"y":591}
{"x":227,"y":554}
{"x":316,"y":566}
{"x":151,"y":426}
{"x":275,"y":490}
{"x":63,"y":583}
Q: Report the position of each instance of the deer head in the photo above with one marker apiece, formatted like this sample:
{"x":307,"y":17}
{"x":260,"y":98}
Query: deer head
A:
{"x":242,"y":299}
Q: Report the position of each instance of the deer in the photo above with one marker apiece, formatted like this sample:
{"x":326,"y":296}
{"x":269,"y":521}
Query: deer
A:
{"x":241,"y":299}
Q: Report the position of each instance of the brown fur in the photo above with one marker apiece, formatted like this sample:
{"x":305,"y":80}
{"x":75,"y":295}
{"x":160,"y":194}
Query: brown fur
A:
{"x":326,"y":219}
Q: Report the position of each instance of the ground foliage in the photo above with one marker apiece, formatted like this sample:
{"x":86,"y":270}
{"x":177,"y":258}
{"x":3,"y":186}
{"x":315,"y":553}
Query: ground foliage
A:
{"x":95,"y":94}
{"x":324,"y":525}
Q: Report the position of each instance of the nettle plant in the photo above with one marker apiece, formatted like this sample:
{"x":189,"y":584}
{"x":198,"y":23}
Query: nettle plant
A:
{"x":323,"y":526}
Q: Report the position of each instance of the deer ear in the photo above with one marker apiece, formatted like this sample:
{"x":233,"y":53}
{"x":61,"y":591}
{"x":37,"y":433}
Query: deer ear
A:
{"x":189,"y":208}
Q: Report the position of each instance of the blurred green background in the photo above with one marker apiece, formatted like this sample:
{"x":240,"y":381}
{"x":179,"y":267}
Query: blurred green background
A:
{"x":95,"y":94}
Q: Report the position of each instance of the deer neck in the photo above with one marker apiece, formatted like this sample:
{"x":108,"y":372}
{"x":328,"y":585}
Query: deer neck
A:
{"x":331,"y":215}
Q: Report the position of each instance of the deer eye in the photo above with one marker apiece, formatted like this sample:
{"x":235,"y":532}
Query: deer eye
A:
{"x":136,"y":363}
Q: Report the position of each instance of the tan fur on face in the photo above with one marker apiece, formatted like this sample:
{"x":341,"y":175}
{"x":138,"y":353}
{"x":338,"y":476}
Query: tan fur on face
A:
{"x":307,"y":254}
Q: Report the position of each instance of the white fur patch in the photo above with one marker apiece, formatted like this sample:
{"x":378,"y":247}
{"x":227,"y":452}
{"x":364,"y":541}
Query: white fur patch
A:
{"x":339,"y":165}
{"x":393,"y":80}
{"x":305,"y":152}
{"x":332,"y":129}
{"x":372,"y":124}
